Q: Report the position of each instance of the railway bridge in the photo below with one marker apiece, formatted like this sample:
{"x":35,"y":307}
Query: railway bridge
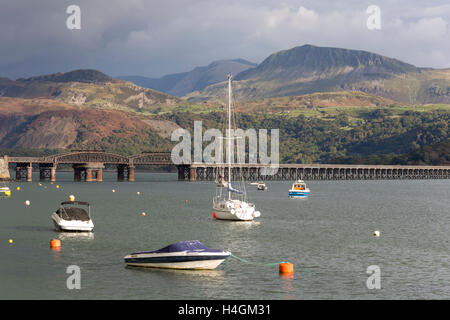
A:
{"x":89,"y":165}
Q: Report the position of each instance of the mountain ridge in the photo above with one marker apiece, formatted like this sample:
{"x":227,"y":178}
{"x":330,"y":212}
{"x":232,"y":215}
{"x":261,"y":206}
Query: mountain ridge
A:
{"x":179,"y":84}
{"x":308,"y":69}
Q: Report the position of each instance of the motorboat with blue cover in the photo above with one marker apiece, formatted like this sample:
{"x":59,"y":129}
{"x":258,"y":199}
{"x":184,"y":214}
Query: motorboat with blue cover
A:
{"x":180,"y":255}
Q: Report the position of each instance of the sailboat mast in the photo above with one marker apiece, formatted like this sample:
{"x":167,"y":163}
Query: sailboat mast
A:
{"x":229,"y":137}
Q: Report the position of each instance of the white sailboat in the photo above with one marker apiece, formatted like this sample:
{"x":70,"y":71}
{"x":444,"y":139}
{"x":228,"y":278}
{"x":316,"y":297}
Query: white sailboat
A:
{"x":230,"y":203}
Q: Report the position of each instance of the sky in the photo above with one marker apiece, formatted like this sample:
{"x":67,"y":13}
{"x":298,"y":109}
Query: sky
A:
{"x":155,"y":38}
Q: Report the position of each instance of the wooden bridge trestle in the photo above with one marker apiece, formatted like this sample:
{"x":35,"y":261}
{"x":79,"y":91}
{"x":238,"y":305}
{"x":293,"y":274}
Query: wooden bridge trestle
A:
{"x":89,"y":165}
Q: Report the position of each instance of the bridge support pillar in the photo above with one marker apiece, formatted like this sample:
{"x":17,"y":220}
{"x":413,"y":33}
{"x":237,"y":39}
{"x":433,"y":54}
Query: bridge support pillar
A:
{"x":18,"y":173}
{"x":45,"y":172}
{"x":93,"y":171}
{"x":99,"y":175}
{"x":30,"y":173}
{"x":131,"y":173}
{"x":53,"y":174}
{"x":88,"y":175}
{"x":192,"y":174}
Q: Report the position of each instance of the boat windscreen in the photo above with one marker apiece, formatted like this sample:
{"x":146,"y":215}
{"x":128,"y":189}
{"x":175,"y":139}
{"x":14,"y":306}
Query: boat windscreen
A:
{"x":194,"y":245}
{"x":73,"y":214}
{"x":83,"y":203}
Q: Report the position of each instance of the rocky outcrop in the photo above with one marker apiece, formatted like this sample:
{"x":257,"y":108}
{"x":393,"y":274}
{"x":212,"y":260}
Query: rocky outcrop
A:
{"x":4,"y":172}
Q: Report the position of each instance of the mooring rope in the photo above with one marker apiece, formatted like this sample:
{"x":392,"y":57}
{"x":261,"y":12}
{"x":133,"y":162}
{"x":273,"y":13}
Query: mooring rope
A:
{"x":255,"y":263}
{"x":264,"y":264}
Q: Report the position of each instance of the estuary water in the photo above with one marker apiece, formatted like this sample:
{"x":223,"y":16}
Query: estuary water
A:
{"x":328,"y":237}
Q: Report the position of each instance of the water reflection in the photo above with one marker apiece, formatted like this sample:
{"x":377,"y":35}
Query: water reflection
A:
{"x":216,"y":275}
{"x":76,"y":235}
{"x":239,"y":225}
{"x":287,"y":285}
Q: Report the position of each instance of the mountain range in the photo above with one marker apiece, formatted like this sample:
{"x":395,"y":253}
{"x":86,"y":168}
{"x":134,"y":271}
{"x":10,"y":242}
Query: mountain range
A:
{"x":307,"y":69}
{"x":180,"y":84}
{"x":89,"y":88}
{"x":327,"y":102}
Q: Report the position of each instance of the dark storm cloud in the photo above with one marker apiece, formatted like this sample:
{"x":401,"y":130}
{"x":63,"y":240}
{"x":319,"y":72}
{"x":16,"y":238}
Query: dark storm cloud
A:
{"x":153,"y":38}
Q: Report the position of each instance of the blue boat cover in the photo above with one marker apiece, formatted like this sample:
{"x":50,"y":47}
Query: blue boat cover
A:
{"x":190,"y":246}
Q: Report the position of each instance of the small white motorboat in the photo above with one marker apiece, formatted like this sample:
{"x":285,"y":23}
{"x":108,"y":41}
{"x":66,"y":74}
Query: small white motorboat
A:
{"x":5,"y":192}
{"x":180,"y":255}
{"x":72,"y":219}
{"x":299,"y":189}
{"x":261,"y":186}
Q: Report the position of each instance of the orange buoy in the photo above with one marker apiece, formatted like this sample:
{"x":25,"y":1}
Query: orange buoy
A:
{"x":55,"y":243}
{"x":286,"y":268}
{"x":214,"y":215}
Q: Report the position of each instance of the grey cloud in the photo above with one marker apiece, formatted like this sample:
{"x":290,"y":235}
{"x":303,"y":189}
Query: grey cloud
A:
{"x":153,"y":38}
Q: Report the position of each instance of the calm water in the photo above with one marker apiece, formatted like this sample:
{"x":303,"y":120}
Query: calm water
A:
{"x":328,"y":238}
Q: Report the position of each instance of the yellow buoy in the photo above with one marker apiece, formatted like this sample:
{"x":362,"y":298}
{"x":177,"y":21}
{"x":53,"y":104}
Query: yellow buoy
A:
{"x":18,"y":188}
{"x":55,"y":243}
{"x":286,"y":268}
{"x":57,"y":186}
{"x":10,"y":240}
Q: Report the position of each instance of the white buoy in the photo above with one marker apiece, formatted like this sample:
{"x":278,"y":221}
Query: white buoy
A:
{"x":376,"y":233}
{"x":72,"y":198}
{"x":27,"y":202}
{"x":113,"y":190}
{"x":143,"y":214}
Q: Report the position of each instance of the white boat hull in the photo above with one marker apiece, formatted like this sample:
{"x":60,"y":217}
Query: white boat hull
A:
{"x":72,"y":225}
{"x":197,"y":265}
{"x":192,"y":261}
{"x":235,"y":210}
{"x":227,"y":215}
